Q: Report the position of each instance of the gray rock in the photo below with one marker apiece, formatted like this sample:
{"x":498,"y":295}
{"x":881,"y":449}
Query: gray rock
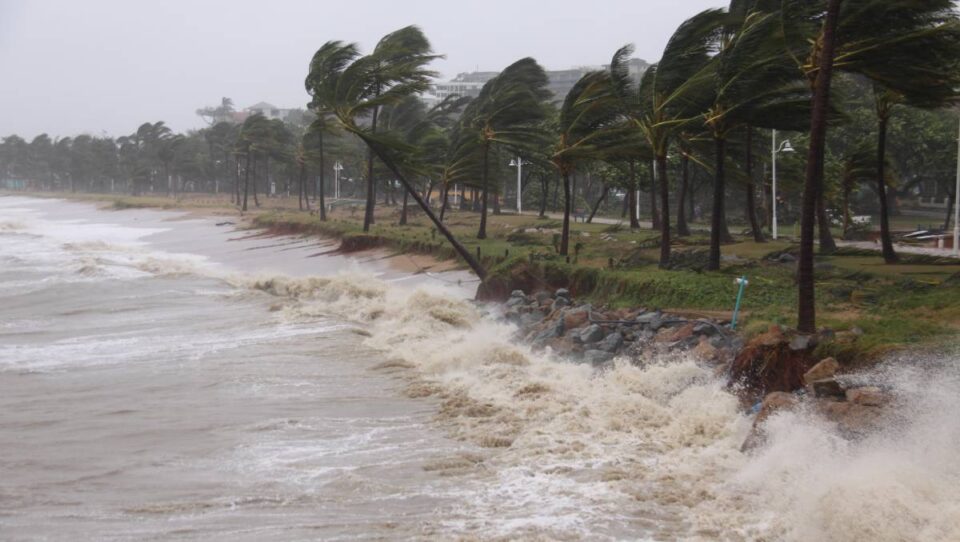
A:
{"x":612,"y":342}
{"x":518,"y":293}
{"x":829,"y":388}
{"x":515,"y":301}
{"x":551,"y":332}
{"x":597,"y":357}
{"x":656,"y":323}
{"x":531,"y":318}
{"x":801,"y":342}
{"x":856,"y":331}
{"x":591,"y":334}
{"x":704,"y":329}
{"x":786,"y":257}
{"x":647,"y":317}
{"x":560,"y":303}
{"x":562,"y":292}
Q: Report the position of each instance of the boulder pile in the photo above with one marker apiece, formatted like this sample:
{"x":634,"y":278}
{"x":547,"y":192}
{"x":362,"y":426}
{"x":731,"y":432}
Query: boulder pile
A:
{"x":596,"y":335}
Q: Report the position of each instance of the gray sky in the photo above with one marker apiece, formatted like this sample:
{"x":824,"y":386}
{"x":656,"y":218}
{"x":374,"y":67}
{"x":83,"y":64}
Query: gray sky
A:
{"x":94,"y":66}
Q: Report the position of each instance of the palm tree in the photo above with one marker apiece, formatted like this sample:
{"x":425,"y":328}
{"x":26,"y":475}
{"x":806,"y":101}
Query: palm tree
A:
{"x":342,"y":87}
{"x":669,"y":95}
{"x":806,"y":313}
{"x":509,"y":111}
{"x":755,"y":84}
{"x":588,"y":129}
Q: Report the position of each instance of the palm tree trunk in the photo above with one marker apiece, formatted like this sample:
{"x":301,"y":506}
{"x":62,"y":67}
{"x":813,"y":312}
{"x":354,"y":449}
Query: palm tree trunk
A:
{"x":654,"y":213}
{"x":751,"y":206}
{"x":246,"y":182}
{"x":544,"y":194}
{"x":565,"y":232}
{"x":482,"y":234}
{"x":806,"y":291}
{"x":889,"y":255}
{"x":951,"y":201}
{"x":403,"y":210}
{"x":256,"y":200}
{"x":457,"y":246}
{"x":717,"y":218}
{"x":632,"y":197}
{"x":665,"y":207}
{"x":301,"y":184}
{"x":371,"y":185}
{"x":603,"y":195}
{"x":444,"y":200}
{"x":236,"y":184}
{"x":683,"y":229}
{"x":321,"y":188}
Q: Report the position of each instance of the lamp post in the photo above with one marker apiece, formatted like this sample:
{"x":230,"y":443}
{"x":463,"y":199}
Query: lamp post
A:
{"x":519,"y":163}
{"x":337,"y":168}
{"x":784,"y":147}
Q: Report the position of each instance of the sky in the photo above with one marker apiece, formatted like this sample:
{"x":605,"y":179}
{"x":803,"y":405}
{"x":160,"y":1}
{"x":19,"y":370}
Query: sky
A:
{"x":106,"y":66}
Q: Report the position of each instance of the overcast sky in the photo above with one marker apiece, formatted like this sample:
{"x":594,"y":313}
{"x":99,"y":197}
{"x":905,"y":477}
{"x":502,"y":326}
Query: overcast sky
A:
{"x":106,"y":66}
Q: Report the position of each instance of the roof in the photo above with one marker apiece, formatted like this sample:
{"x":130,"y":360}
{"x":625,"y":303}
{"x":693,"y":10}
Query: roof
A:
{"x":263,"y":105}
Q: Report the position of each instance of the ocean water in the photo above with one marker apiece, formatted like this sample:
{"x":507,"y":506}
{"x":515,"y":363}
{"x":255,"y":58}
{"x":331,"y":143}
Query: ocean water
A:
{"x":163,"y":377}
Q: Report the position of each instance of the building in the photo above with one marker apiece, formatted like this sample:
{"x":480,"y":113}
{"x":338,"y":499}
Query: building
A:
{"x":267,"y":110}
{"x":561,"y":81}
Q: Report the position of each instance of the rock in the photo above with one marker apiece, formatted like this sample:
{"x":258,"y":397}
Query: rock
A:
{"x":786,"y":257}
{"x":774,"y":402}
{"x":673,"y":335}
{"x":705,"y":351}
{"x":828,"y":388}
{"x":823,"y":370}
{"x":531,"y":318}
{"x":856,"y":331}
{"x":563,"y":346}
{"x":518,"y":293}
{"x":611,"y":343}
{"x":851,"y":418}
{"x":515,"y":301}
{"x":704,"y":328}
{"x":574,"y":318}
{"x":591,"y":334}
{"x":560,"y":302}
{"x":597,"y":357}
{"x":645,"y":318}
{"x":563,"y":292}
{"x":552,"y":331}
{"x":542,"y":296}
{"x":827,"y":334}
{"x":867,"y":396}
{"x":801,"y":342}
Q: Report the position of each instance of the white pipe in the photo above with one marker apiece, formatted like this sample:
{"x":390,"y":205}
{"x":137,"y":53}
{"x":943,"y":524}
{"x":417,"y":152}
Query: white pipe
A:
{"x":519,"y":176}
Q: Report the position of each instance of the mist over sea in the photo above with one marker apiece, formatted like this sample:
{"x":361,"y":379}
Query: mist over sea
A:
{"x":163,"y":377}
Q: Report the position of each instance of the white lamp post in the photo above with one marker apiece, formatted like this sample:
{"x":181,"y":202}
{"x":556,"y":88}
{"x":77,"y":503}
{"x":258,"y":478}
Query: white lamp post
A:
{"x":519,"y":163}
{"x":784,"y":147}
{"x":337,"y":168}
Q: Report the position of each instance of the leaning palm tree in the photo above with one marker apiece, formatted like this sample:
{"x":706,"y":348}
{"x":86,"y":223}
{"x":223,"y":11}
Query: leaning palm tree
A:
{"x":342,"y":86}
{"x":509,"y":111}
{"x":588,"y":128}
{"x":670,"y":93}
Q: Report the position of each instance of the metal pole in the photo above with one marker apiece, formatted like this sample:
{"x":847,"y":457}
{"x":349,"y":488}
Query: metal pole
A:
{"x":774,"y":184}
{"x":956,"y":206}
{"x":742,"y":281}
{"x":519,"y":176}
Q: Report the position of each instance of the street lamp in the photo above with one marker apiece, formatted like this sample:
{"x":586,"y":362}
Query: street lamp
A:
{"x":337,"y":168}
{"x":519,"y":163}
{"x":784,"y":147}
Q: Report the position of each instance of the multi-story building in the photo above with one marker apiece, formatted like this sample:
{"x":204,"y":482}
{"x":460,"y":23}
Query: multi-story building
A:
{"x":561,"y":81}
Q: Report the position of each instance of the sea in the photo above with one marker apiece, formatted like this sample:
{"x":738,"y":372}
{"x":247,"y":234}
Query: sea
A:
{"x":171,"y":376}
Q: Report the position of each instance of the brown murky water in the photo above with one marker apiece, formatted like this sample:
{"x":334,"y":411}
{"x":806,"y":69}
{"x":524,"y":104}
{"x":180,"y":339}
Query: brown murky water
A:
{"x":159,"y":380}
